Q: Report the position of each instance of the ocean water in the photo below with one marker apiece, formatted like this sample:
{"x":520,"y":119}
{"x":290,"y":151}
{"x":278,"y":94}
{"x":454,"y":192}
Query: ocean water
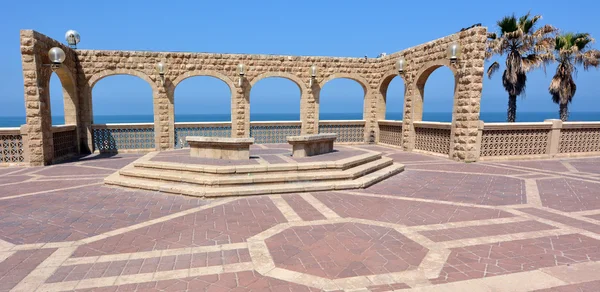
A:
{"x":489,"y":117}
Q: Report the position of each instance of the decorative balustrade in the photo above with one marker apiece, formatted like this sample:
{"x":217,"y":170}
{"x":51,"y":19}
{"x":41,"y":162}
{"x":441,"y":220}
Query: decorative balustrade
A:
{"x":579,"y":137}
{"x":551,"y":138}
{"x":515,"y":139}
{"x":348,"y":131}
{"x":274,"y":132}
{"x":11,"y":146}
{"x":216,"y":129}
{"x":433,"y":137}
{"x":123,"y":137}
{"x":65,"y":142}
{"x":390,"y":132}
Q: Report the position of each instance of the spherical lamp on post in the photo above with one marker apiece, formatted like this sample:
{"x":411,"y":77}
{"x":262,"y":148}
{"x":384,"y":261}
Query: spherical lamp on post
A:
{"x":400,"y":65}
{"x":57,"y":57}
{"x":72,"y":37}
{"x":313,"y":74}
{"x":242,"y":72}
{"x":161,"y":69}
{"x":453,"y":52}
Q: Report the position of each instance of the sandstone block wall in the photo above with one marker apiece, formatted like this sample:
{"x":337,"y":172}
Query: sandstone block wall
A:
{"x":87,"y":67}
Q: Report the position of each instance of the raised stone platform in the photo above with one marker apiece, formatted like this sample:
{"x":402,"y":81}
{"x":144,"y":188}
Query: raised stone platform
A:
{"x":310,"y":145}
{"x":220,"y":148}
{"x":267,"y":171}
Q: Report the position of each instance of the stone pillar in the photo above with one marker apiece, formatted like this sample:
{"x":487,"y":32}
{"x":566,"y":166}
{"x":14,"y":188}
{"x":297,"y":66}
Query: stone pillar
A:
{"x":164,"y":123}
{"x":469,"y":75}
{"x":380,"y":108}
{"x":240,"y":110}
{"x":37,"y":102}
{"x":408,"y":129}
{"x":309,"y":109}
{"x":370,"y":115}
{"x":554,"y":139}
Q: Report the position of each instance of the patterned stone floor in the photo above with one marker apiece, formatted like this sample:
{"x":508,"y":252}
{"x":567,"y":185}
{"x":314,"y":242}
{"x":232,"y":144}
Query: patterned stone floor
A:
{"x":438,"y":226}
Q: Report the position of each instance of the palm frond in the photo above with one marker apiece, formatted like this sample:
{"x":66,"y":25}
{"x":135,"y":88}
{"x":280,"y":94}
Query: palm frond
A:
{"x":507,"y":24}
{"x":492,"y":69}
{"x":589,"y":59}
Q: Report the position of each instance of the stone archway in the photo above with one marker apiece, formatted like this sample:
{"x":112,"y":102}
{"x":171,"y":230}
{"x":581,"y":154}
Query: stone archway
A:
{"x":305,"y":118}
{"x":420,"y":80}
{"x":369,"y":130}
{"x":383,"y":88}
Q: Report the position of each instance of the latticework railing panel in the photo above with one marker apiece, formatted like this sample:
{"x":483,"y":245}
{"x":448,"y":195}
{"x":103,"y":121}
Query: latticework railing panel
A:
{"x":275,"y":133}
{"x":390,"y":134}
{"x":347,"y":133}
{"x":114,"y":138}
{"x":433,"y":140}
{"x":514,"y":142}
{"x":11,"y":148}
{"x":181,"y":132}
{"x":65,"y":143}
{"x":579,"y":140}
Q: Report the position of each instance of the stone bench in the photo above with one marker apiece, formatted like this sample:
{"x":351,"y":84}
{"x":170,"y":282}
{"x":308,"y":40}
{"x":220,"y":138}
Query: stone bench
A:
{"x":310,"y":145}
{"x":220,"y":148}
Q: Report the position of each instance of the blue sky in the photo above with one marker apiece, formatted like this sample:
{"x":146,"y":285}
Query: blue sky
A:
{"x":326,"y":28}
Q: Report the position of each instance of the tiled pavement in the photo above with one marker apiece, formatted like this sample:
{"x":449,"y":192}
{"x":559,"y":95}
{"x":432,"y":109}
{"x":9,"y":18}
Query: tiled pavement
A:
{"x":438,"y":226}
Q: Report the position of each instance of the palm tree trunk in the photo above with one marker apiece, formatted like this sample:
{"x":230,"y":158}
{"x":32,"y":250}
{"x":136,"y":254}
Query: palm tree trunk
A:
{"x":564,"y":112}
{"x":512,"y":109}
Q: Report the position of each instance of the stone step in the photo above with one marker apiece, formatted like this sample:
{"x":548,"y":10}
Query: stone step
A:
{"x":342,"y":164}
{"x":255,"y":189}
{"x":255,"y":178}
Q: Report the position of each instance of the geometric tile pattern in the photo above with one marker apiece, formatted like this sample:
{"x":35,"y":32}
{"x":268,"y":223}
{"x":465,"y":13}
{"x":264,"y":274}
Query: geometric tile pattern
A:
{"x":344,"y":250}
{"x":503,"y":226}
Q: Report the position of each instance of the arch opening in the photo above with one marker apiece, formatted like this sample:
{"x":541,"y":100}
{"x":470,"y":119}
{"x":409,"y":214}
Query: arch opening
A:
{"x":440,"y":82}
{"x":275,"y":99}
{"x":342,"y":98}
{"x":202,"y":99}
{"x":62,"y":98}
{"x":122,"y":98}
{"x":393,"y":92}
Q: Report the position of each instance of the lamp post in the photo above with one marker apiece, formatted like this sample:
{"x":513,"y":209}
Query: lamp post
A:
{"x":453,"y":52}
{"x":313,"y":74}
{"x":400,"y":64}
{"x":242,"y":71}
{"x":72,"y":37}
{"x":161,"y":69}
{"x":57,"y":57}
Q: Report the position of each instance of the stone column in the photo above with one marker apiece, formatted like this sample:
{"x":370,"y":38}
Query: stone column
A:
{"x":370,"y":115}
{"x":309,"y":109}
{"x":380,"y":108}
{"x":240,"y":111}
{"x":408,"y":129}
{"x":164,"y":124}
{"x":37,"y":103}
{"x":469,"y":75}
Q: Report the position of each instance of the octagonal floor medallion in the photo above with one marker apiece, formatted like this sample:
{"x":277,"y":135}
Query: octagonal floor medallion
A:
{"x":344,"y":250}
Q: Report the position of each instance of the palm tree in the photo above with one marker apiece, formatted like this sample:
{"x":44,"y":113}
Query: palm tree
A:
{"x":571,"y":49}
{"x":526,"y":47}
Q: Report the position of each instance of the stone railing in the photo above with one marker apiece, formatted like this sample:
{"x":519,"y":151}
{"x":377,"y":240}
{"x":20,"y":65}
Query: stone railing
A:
{"x":551,"y":138}
{"x":348,"y":131}
{"x":11,"y":146}
{"x":202,"y":129}
{"x":65,"y":142}
{"x":274,"y":132}
{"x":515,"y":139}
{"x":579,"y":138}
{"x":433,"y":137}
{"x":390,"y":132}
{"x":123,"y":137}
